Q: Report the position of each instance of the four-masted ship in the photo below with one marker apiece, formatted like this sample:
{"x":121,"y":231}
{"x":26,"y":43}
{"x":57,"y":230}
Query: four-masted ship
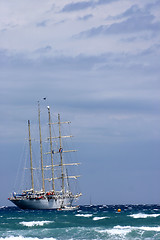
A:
{"x":52,"y":198}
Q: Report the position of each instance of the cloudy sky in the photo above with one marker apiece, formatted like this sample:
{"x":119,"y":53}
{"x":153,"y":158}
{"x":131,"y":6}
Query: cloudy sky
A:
{"x":98,"y":64}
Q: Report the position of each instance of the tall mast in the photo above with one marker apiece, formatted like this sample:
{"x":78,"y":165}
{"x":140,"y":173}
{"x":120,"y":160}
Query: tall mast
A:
{"x":40,"y":136}
{"x":30,"y":147}
{"x":50,"y":137}
{"x":60,"y":150}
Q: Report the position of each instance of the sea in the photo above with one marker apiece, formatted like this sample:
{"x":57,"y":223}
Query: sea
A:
{"x":87,"y":222}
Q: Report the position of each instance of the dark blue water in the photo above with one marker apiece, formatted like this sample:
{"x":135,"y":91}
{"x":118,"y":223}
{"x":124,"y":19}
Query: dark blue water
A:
{"x":88,"y":222}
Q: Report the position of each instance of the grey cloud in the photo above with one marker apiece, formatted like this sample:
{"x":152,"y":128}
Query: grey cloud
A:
{"x":141,"y":62}
{"x":137,"y":20}
{"x":131,"y":25}
{"x":8,"y":27}
{"x":62,"y":62}
{"x":42,"y":24}
{"x":153,"y":50}
{"x":144,"y":37}
{"x":134,"y":105}
{"x":77,"y":6}
{"x":45,"y":49}
{"x":129,"y":39}
{"x":10,"y":60}
{"x":84,"y":5}
{"x":133,"y":11}
{"x":154,"y":4}
{"x":86,"y":17}
{"x":100,"y":2}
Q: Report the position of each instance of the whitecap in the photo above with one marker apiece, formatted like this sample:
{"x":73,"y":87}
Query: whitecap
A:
{"x":84,"y":215}
{"x":124,"y":230}
{"x":117,"y":230}
{"x":35,"y":223}
{"x":143,"y":228}
{"x":99,"y":218}
{"x":121,"y":232}
{"x":144,"y":215}
{"x":24,"y":238}
{"x":155,"y":229}
{"x":79,"y":210}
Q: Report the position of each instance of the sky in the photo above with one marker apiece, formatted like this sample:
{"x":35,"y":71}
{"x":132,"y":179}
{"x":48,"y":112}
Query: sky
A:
{"x":98,"y":64}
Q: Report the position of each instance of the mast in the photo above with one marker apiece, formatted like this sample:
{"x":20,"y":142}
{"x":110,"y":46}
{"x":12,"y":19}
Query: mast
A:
{"x":40,"y":136}
{"x":60,"y":151}
{"x":49,"y":115}
{"x":30,"y":147}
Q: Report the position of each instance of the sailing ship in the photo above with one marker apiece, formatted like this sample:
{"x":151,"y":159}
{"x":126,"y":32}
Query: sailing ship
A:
{"x":52,"y":198}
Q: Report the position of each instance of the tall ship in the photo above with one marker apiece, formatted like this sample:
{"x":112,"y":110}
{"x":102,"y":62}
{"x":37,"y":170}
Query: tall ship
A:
{"x":53,"y":190}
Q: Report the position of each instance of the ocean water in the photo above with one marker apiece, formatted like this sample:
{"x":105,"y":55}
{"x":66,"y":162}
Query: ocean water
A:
{"x":88,"y":222}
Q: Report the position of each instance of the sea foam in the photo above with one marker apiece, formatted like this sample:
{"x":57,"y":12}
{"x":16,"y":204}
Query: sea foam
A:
{"x":84,"y":215}
{"x":24,"y":238}
{"x":154,"y":229}
{"x":117,"y":230}
{"x":35,"y":223}
{"x":124,"y":230}
{"x":143,"y":215}
{"x":99,"y":218}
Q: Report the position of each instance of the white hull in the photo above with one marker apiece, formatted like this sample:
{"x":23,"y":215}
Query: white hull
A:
{"x":42,"y":203}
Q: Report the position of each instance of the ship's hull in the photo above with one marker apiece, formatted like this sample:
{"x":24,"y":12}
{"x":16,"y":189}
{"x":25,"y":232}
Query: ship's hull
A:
{"x":42,"y":203}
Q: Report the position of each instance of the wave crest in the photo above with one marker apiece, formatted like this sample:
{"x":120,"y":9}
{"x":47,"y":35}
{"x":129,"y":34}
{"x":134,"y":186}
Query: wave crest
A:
{"x":35,"y":223}
{"x":84,"y":215}
{"x":99,"y":218}
{"x":143,"y":215}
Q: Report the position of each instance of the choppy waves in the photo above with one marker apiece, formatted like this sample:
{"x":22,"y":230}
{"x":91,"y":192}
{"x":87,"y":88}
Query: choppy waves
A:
{"x":24,"y":238}
{"x":89,"y":222}
{"x":123,"y":231}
